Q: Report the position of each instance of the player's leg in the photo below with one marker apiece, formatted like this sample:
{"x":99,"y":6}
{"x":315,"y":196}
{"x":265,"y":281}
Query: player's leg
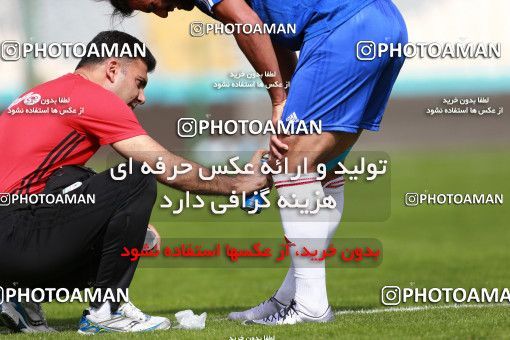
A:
{"x":60,"y":237}
{"x":307,"y":230}
{"x":314,"y":90}
{"x":126,"y":227}
{"x":372,"y":116}
{"x":336,"y":89}
{"x":316,"y":149}
{"x":310,"y":231}
{"x":333,"y":186}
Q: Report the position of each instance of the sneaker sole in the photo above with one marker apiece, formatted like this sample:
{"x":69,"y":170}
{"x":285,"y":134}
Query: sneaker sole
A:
{"x":325,"y":319}
{"x":7,"y":321}
{"x":161,"y":327}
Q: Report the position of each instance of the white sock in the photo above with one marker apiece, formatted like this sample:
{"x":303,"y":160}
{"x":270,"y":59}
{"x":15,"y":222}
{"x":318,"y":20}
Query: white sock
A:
{"x":305,"y":230}
{"x":335,"y":188}
{"x":287,"y":290}
{"x":102,"y":313}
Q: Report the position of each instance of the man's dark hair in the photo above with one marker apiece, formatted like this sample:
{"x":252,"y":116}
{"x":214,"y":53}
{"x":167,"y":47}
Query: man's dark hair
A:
{"x":121,"y":7}
{"x":110,"y":39}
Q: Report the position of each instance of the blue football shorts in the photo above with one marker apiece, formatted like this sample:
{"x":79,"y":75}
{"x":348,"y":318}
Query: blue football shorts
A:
{"x":330,"y":84}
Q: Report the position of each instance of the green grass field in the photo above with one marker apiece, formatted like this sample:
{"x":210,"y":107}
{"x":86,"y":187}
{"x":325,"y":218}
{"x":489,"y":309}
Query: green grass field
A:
{"x":424,"y":246}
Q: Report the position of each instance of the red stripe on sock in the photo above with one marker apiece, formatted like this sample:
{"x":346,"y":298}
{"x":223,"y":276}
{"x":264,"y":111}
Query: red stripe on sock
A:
{"x":295,"y":180}
{"x":333,"y":182}
{"x":292,"y":184}
{"x":334,"y":186}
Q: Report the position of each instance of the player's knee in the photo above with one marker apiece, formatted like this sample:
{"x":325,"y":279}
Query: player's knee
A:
{"x":302,"y":152}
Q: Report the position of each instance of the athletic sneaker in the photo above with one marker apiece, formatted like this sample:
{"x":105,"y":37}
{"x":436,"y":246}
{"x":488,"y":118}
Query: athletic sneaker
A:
{"x":290,"y":315}
{"x":26,"y":317}
{"x":131,"y":311}
{"x":266,"y":308}
{"x":127,"y":318}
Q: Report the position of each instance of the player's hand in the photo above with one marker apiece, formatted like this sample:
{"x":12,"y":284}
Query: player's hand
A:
{"x":157,"y":247}
{"x":251,"y":183}
{"x":276,"y":146}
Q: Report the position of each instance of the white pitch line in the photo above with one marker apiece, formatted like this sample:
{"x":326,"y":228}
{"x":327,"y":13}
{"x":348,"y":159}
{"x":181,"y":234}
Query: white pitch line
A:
{"x":402,"y":309}
{"x":415,"y":308}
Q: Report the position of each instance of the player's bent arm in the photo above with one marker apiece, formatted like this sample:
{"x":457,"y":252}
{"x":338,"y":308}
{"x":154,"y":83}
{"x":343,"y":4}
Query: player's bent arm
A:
{"x":287,"y":62}
{"x":257,"y":48}
{"x":145,"y":149}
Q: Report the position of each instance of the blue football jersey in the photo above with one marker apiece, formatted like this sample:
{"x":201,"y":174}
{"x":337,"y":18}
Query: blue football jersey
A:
{"x":309,"y":17}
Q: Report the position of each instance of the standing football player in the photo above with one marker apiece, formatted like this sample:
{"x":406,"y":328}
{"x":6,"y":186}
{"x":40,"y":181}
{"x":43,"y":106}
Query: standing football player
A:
{"x":328,"y":84}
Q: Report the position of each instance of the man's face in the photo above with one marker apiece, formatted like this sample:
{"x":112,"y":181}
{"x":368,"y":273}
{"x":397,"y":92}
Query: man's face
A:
{"x":127,"y":79}
{"x":160,"y":7}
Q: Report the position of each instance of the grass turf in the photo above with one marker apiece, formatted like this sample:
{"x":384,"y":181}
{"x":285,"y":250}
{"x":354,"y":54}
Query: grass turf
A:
{"x":424,"y":246}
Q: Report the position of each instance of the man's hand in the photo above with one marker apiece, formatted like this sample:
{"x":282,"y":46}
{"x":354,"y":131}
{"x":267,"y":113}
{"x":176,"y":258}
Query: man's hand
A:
{"x":277,"y":147}
{"x":257,"y":181}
